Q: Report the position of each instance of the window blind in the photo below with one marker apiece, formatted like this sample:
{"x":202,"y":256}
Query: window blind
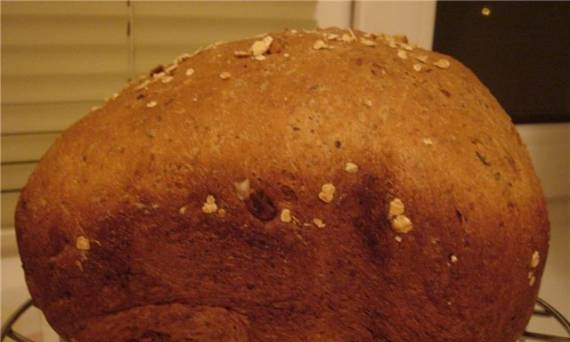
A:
{"x":59,"y":59}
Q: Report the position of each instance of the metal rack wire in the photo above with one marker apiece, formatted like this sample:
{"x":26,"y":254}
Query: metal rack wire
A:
{"x":548,"y":311}
{"x":8,"y":326}
{"x":544,"y":310}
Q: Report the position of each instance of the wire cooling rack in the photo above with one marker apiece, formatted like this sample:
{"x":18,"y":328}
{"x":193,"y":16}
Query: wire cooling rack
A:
{"x":542,"y":309}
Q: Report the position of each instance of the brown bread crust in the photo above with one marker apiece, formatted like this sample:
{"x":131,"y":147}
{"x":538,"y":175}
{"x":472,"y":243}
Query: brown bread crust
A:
{"x":119,"y":241}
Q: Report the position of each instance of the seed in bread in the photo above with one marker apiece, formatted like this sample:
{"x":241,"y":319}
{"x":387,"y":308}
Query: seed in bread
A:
{"x":327,"y":192}
{"x":210,"y":205}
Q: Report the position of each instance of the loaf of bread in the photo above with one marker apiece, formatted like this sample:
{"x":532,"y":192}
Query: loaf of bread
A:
{"x":324,"y":185}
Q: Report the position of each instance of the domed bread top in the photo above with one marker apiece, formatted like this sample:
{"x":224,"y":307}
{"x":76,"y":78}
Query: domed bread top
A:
{"x":327,"y":185}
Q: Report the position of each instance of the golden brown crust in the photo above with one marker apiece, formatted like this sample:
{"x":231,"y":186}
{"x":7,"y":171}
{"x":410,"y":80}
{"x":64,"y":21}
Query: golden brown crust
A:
{"x":138,"y":223}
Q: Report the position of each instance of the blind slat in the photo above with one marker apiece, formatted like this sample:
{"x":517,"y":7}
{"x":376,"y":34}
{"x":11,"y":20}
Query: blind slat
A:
{"x":14,"y":176}
{"x":52,"y":8}
{"x":42,"y":117}
{"x":60,"y":88}
{"x":9,"y":201}
{"x":27,"y":60}
{"x":25,"y":147}
{"x":63,"y":30}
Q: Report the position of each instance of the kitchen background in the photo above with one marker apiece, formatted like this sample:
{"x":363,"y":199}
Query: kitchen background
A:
{"x":60,"y":59}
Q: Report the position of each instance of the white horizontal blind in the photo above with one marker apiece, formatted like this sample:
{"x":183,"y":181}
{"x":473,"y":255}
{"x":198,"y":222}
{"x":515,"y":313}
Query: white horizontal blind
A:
{"x":59,"y":59}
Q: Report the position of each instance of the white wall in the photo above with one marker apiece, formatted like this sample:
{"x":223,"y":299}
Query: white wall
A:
{"x":414,"y":19}
{"x":333,"y":13}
